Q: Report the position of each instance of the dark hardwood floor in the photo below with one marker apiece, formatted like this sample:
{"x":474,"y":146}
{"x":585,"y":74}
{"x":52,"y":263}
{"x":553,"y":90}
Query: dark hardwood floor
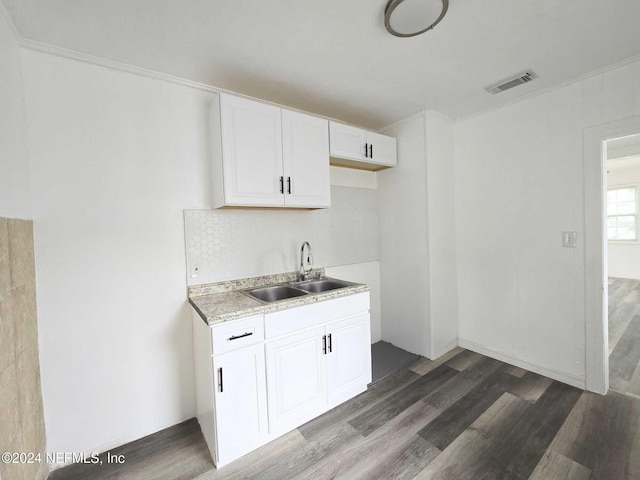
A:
{"x":464,"y":416}
{"x":624,"y":336}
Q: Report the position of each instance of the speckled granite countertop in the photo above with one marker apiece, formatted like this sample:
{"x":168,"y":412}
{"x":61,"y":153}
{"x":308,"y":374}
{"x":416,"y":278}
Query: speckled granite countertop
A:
{"x":223,"y":301}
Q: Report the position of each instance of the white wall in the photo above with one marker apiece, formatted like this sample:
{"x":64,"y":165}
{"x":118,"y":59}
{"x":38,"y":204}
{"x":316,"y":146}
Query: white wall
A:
{"x":15,"y":201}
{"x":404,"y":258}
{"x":439,"y":133}
{"x":417,"y":238}
{"x":115,"y":159}
{"x":519,"y":185}
{"x":624,"y":257}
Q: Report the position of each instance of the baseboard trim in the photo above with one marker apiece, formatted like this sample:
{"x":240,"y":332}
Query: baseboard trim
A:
{"x":564,"y":377}
{"x":108,"y":446}
{"x":447,"y":348}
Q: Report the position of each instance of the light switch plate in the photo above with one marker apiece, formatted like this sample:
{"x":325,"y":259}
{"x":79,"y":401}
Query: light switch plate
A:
{"x":569,"y":239}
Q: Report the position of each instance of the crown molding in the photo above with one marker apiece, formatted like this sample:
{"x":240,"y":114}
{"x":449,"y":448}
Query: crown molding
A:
{"x":5,"y":13}
{"x":144,"y":72}
{"x":124,"y":67}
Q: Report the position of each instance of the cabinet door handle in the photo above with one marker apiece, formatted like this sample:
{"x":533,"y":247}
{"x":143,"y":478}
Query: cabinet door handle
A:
{"x":330,"y":344}
{"x":236,"y":337}
{"x":366,"y":150}
{"x":281,"y":184}
{"x":371,"y":150}
{"x":324,"y":344}
{"x":289,"y":185}
{"x":220,"y":385}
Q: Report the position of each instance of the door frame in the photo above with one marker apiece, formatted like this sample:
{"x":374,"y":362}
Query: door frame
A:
{"x":596,"y":283}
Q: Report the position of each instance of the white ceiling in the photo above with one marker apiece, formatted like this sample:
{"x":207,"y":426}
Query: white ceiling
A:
{"x":334,"y":57}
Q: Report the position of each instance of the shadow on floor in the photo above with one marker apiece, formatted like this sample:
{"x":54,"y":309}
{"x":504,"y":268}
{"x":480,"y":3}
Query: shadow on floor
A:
{"x":387,"y":359}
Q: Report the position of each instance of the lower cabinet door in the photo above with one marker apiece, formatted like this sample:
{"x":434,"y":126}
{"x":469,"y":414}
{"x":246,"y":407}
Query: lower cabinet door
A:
{"x":296,"y":379}
{"x":241,"y":402}
{"x":348,"y":358}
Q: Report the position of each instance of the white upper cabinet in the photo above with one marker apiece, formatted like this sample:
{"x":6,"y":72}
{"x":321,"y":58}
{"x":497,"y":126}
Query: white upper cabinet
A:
{"x":382,"y":149}
{"x":357,"y":148}
{"x":347,"y":141}
{"x":265,"y":156}
{"x":251,"y":152}
{"x":305,"y":156}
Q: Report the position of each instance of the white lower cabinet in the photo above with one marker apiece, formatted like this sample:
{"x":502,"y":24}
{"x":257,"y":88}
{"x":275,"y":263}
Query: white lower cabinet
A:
{"x":310,"y":372}
{"x":348,"y":358}
{"x":262,"y":376}
{"x":297,"y":385}
{"x":231,"y":390}
{"x":241,"y":402}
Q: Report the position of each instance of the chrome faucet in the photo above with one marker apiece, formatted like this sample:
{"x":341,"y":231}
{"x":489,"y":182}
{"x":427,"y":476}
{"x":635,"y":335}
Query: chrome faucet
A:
{"x":302,"y":275}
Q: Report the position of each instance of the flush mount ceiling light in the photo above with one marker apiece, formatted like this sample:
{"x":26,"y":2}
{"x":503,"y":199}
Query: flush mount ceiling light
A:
{"x":408,"y":18}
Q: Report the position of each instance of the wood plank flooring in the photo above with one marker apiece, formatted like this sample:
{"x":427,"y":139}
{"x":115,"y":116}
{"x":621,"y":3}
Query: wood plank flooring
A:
{"x":624,"y":336}
{"x":464,"y":416}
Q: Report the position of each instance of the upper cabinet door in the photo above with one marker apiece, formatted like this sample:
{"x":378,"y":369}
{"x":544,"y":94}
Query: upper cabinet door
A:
{"x":252,"y":151}
{"x":347,"y":142}
{"x":305,"y":153}
{"x":382,"y":149}
{"x":354,"y":147}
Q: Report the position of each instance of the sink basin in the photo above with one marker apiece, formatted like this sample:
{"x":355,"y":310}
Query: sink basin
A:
{"x":322,"y":285}
{"x":275,"y":293}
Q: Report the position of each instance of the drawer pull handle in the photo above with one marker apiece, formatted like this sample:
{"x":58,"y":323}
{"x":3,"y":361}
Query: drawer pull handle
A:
{"x":366,"y":150}
{"x":236,"y":337}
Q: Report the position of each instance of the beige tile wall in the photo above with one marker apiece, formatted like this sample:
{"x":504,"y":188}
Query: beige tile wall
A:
{"x":21,"y":415}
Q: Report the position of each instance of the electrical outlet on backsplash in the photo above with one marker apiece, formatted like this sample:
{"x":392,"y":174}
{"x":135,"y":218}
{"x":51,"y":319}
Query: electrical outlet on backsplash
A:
{"x":240,"y":243}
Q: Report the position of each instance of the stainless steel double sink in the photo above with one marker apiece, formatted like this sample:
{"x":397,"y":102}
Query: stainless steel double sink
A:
{"x":275,"y":293}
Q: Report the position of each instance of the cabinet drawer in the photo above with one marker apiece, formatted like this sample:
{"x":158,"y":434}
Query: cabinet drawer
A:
{"x":237,"y":334}
{"x":300,"y":318}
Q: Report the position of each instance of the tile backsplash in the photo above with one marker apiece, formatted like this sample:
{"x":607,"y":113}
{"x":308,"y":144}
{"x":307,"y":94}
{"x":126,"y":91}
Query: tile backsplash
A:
{"x":236,"y":243}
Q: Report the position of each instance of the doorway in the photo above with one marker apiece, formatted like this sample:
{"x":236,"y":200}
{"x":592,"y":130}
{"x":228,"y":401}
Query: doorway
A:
{"x":595,"y":248}
{"x":622,"y":208}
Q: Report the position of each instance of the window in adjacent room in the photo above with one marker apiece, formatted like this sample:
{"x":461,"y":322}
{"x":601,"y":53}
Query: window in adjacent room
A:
{"x":622,"y":213}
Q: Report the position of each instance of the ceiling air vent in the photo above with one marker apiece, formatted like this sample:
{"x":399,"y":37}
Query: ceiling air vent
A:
{"x":519,"y":79}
